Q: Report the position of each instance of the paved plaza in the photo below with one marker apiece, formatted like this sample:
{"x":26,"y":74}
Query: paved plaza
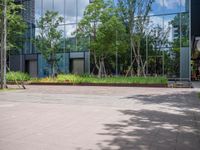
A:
{"x":99,"y":118}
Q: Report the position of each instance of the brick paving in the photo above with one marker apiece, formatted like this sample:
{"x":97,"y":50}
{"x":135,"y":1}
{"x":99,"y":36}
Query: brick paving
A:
{"x":99,"y":118}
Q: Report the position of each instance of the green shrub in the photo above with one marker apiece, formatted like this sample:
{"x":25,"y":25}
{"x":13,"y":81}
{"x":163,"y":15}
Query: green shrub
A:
{"x":17,"y":76}
{"x":93,"y":79}
{"x":69,"y":78}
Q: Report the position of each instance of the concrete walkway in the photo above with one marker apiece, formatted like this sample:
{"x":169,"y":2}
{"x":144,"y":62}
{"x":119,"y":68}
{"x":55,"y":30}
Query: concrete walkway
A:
{"x":99,"y":118}
{"x":196,"y":84}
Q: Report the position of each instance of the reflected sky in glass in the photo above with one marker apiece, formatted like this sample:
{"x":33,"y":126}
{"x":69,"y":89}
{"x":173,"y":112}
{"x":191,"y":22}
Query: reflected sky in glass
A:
{"x":71,"y":10}
{"x":167,"y":6}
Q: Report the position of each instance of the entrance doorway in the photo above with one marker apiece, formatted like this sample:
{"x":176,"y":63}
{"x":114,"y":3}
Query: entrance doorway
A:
{"x":77,"y":66}
{"x":31,"y":67}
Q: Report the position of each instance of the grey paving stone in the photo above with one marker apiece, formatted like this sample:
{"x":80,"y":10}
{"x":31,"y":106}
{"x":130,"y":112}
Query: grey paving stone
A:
{"x":99,"y":118}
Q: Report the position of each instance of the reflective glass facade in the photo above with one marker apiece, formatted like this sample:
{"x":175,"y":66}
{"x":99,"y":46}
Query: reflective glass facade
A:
{"x":166,"y":43}
{"x":169,"y":24}
{"x":72,"y":12}
{"x":168,"y":21}
{"x":172,"y":16}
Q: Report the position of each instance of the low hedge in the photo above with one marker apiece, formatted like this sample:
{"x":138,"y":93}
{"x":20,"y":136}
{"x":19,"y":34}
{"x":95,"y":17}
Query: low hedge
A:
{"x":17,"y":76}
{"x":78,"y":79}
{"x":111,"y":80}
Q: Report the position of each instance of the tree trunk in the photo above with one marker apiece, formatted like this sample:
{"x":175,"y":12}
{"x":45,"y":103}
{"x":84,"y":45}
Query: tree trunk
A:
{"x":101,"y":69}
{"x":53,"y":69}
{"x":136,"y":56}
{"x":53,"y":65}
{"x":138,"y":60}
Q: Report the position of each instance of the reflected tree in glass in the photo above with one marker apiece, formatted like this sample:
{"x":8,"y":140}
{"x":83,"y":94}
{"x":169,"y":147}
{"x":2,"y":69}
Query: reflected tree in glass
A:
{"x":49,"y":37}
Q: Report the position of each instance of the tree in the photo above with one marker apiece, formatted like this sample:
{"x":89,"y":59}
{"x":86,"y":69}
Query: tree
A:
{"x":134,"y":14}
{"x":16,"y":26}
{"x":12,"y":26}
{"x":49,"y":37}
{"x":158,"y":43}
{"x":106,"y":32}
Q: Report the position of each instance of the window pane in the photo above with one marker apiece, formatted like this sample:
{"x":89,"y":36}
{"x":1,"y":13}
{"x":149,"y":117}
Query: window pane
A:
{"x":59,"y":7}
{"x":82,"y":44}
{"x":70,"y":38}
{"x":185,"y":30}
{"x":172,"y":6}
{"x":157,"y":7}
{"x":38,"y":10}
{"x":36,"y":34}
{"x":185,"y":5}
{"x":47,"y":6}
{"x":61,"y":46}
{"x":70,"y":11}
{"x":167,"y":6}
{"x":174,"y":51}
{"x":81,"y":7}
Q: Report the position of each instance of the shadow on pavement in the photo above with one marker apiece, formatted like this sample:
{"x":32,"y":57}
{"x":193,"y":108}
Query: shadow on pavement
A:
{"x":174,"y":128}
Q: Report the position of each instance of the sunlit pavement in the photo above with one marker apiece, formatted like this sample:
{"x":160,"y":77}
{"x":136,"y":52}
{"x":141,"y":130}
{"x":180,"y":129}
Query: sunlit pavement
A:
{"x":99,"y":118}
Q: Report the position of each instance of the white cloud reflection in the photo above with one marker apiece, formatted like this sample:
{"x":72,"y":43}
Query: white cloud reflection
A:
{"x":70,"y":9}
{"x":164,"y":23}
{"x":171,"y":4}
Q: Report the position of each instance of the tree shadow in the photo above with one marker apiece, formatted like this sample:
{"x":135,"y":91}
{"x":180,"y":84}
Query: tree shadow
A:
{"x":175,"y":128}
{"x":180,"y":99}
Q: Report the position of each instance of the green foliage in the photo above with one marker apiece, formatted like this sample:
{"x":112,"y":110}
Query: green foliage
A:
{"x":6,"y":90}
{"x":49,"y":37}
{"x":17,"y":76}
{"x":182,"y":40}
{"x":16,"y":26}
{"x":135,"y":16}
{"x":71,"y":78}
{"x":110,"y":80}
{"x":105,"y":29}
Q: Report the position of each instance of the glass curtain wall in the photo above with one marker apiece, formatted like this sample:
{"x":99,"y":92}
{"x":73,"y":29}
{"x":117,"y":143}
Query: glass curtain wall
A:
{"x":165,"y":44}
{"x":28,"y":14}
{"x":167,"y":33}
{"x":72,"y":12}
{"x":169,"y":21}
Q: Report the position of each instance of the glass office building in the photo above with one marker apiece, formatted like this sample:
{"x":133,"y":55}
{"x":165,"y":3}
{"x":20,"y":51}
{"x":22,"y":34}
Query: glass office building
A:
{"x":170,"y":20}
{"x":166,"y":43}
{"x":74,"y":55}
{"x":169,"y":53}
